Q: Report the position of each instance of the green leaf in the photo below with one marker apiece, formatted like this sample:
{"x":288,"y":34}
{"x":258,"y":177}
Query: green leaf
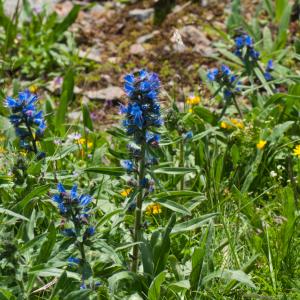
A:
{"x":227,"y":275}
{"x":78,"y":295}
{"x":61,"y":27}
{"x":206,"y":115}
{"x":87,"y":121}
{"x":114,"y":171}
{"x":107,"y":216}
{"x":174,"y":194}
{"x":13,"y":214}
{"x":36,"y":192}
{"x":160,"y":242}
{"x":175,"y":170}
{"x":66,"y":97}
{"x":154,"y":289}
{"x":192,"y":224}
{"x":63,"y":152}
{"x":179,"y":286}
{"x":174,"y":206}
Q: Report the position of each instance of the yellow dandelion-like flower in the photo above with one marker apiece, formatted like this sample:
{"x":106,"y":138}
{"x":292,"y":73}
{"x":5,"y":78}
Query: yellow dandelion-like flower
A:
{"x":225,"y":125}
{"x":153,"y":209}
{"x":193,"y":100}
{"x":190,"y":110}
{"x":296,"y":151}
{"x":2,"y":150}
{"x":126,"y":192}
{"x":261,"y":144}
{"x":33,"y":89}
{"x":237,"y":123}
{"x":82,"y":141}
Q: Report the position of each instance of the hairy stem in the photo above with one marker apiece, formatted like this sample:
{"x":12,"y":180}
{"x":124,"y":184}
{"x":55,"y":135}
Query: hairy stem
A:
{"x":32,"y":138}
{"x":138,"y":212}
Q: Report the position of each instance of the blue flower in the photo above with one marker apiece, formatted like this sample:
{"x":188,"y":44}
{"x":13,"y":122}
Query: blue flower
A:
{"x":90,"y":231}
{"x":74,"y":260}
{"x":239,"y":42}
{"x":127,"y":165}
{"x":269,"y":65}
{"x":248,"y":41}
{"x":60,"y":188}
{"x":85,"y":200}
{"x":26,"y":119}
{"x":69,"y":232}
{"x":211,"y":75}
{"x":227,"y":93}
{"x":225,"y":70}
{"x":188,"y":135}
{"x":152,"y":138}
{"x":83,"y":286}
{"x":254,"y":54}
{"x":73,"y":192}
{"x":268,"y":76}
{"x":137,"y":115}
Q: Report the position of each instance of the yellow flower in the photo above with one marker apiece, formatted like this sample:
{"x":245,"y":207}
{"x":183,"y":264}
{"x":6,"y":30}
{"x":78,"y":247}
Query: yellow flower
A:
{"x":126,"y":192}
{"x":225,"y":125}
{"x":153,"y":209}
{"x":82,"y":141}
{"x":190,"y":110}
{"x":237,"y":123}
{"x":297,"y":151}
{"x":33,"y":89}
{"x":193,"y":100}
{"x":261,"y":144}
{"x":2,"y":150}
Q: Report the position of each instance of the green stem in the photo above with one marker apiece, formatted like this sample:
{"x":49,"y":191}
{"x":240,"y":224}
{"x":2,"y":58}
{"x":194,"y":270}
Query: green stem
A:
{"x":181,"y":162}
{"x":237,"y":107}
{"x":138,"y":212}
{"x":32,"y":138}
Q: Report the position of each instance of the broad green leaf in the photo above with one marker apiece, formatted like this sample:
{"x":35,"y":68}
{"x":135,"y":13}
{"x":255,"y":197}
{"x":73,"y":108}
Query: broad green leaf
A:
{"x":192,"y":224}
{"x":237,"y":275}
{"x":87,"y":121}
{"x":174,"y":206}
{"x":78,"y":295}
{"x":36,"y":192}
{"x":154,"y":289}
{"x":12,"y":214}
{"x":175,"y":170}
{"x":65,"y":99}
{"x":114,"y":171}
{"x":174,"y":194}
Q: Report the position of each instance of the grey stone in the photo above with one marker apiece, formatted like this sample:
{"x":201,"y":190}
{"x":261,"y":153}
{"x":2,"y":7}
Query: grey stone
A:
{"x":137,"y":49}
{"x":109,"y":93}
{"x":141,"y":14}
{"x":147,"y":37}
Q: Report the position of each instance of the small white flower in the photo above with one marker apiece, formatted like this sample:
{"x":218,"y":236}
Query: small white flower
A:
{"x":273,"y":174}
{"x":74,"y":136}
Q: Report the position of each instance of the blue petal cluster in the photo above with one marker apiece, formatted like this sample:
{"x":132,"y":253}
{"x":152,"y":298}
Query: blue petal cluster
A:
{"x":224,"y":77}
{"x":28,"y":122}
{"x":74,"y":208}
{"x":143,"y":109}
{"x":244,"y":48}
{"x":268,"y":69}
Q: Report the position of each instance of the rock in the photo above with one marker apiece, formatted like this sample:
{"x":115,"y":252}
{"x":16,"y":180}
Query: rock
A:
{"x":75,"y":115}
{"x":193,"y":36}
{"x":97,"y":10}
{"x":137,"y":49}
{"x":109,"y":93}
{"x":92,"y":54}
{"x":147,"y":37}
{"x":141,"y":14}
{"x":37,"y":5}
